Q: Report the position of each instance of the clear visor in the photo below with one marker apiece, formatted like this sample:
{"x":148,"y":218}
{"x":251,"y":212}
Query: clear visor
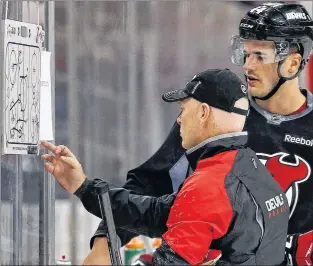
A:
{"x":257,"y":51}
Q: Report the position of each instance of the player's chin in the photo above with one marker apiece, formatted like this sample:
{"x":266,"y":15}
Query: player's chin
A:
{"x":255,"y":91}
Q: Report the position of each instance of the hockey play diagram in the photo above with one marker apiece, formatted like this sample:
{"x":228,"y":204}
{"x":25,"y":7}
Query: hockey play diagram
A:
{"x":21,"y":97}
{"x":21,"y":89}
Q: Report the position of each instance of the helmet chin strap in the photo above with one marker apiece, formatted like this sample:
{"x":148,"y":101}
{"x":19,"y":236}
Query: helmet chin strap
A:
{"x":280,"y":82}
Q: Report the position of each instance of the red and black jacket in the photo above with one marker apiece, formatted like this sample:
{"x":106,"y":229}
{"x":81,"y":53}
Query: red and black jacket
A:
{"x":225,"y":204}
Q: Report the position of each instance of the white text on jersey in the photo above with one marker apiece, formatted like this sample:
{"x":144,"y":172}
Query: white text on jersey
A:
{"x":297,"y":140}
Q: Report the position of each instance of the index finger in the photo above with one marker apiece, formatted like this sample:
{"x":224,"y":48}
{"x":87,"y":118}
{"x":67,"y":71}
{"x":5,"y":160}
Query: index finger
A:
{"x":63,"y":150}
{"x":51,"y":147}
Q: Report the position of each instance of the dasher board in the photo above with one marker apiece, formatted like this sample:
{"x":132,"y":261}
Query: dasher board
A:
{"x":22,"y":45}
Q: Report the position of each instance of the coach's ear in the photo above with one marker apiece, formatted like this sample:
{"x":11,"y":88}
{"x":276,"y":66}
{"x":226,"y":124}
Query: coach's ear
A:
{"x":204,"y":114}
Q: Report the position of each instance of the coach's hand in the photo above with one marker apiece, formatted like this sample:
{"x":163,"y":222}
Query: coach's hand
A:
{"x":64,"y":166}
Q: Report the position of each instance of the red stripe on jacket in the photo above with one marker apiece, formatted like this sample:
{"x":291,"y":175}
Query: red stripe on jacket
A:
{"x":202,"y":210}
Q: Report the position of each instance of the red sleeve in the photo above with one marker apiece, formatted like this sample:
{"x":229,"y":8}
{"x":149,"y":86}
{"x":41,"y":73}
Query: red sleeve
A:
{"x":201,"y":212}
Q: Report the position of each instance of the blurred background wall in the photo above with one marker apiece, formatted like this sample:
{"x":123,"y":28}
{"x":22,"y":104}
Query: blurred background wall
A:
{"x":113,"y":61}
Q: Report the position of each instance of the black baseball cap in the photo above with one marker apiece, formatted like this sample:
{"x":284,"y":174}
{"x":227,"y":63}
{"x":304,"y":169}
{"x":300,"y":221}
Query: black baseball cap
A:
{"x":220,"y":88}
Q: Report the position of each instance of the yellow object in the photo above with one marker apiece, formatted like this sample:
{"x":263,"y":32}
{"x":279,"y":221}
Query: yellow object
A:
{"x":134,"y":243}
{"x":156,"y":243}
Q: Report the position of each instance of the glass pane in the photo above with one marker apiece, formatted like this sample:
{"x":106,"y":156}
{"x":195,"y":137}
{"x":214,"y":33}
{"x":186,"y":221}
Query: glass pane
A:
{"x":22,"y":197}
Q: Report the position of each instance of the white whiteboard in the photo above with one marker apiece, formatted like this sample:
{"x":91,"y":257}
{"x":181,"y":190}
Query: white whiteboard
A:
{"x":22,"y":47}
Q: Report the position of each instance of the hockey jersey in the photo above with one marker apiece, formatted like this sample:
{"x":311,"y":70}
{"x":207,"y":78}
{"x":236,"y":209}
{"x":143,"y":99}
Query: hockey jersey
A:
{"x":285,"y":145}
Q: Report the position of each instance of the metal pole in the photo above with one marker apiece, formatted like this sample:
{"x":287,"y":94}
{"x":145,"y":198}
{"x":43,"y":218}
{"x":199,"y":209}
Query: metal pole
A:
{"x":17,"y":213}
{"x":132,"y":79}
{"x":18,"y":189}
{"x":29,"y":240}
{"x":2,"y":6}
{"x":73,"y":129}
{"x":47,"y":184}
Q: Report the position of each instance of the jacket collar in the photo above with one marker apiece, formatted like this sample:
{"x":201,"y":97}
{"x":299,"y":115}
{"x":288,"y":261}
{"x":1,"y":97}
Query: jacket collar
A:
{"x":215,"y":145}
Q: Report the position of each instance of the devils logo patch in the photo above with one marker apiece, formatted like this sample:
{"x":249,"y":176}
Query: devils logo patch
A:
{"x":288,"y":170}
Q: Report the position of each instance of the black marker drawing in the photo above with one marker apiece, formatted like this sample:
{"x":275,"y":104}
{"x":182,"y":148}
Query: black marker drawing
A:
{"x":22,"y":93}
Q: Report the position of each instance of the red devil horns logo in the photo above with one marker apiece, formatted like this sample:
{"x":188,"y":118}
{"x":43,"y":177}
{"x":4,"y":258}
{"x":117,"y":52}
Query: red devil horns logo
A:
{"x":285,"y":173}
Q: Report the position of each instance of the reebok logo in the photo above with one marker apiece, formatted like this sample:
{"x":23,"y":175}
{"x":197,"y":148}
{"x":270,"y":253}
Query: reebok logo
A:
{"x":298,"y":140}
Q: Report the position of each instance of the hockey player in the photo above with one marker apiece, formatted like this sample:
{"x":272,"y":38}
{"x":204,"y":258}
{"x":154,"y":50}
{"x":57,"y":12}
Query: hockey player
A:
{"x":273,"y":46}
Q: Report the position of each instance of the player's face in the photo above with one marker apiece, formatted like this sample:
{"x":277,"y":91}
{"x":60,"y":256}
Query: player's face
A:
{"x":189,"y":123}
{"x":261,"y":75}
